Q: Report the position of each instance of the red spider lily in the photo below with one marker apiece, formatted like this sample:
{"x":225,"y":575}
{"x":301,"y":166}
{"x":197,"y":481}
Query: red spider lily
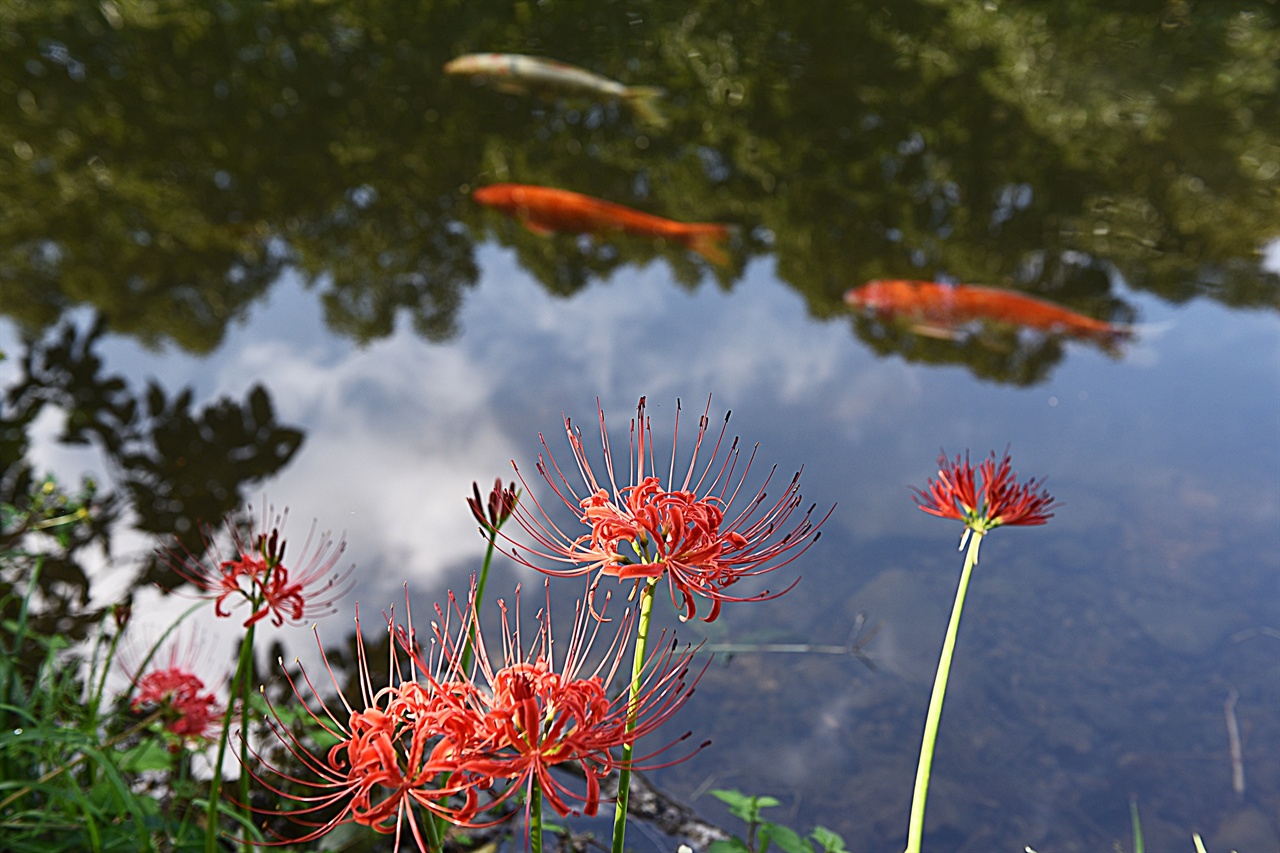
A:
{"x":683,"y":529}
{"x":187,"y":712}
{"x":298,"y":591}
{"x":436,"y":737}
{"x":1000,"y":500}
{"x":536,"y":712}
{"x":397,"y":748}
{"x":187,"y":709}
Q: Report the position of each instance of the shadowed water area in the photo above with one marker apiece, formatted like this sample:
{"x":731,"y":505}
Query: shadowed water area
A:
{"x":240,"y":256}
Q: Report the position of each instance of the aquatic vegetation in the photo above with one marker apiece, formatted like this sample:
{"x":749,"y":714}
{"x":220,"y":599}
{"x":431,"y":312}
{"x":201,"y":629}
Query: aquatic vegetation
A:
{"x":762,"y":833}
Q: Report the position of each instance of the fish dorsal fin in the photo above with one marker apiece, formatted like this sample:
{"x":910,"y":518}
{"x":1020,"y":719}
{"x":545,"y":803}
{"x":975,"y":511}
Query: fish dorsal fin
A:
{"x":507,"y":86}
{"x":537,"y":226}
{"x":933,"y":330}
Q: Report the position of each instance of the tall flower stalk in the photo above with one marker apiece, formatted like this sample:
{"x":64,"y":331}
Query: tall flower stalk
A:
{"x":682,"y":528}
{"x":256,"y":573}
{"x":491,"y":514}
{"x":633,"y":700}
{"x":999,"y":500}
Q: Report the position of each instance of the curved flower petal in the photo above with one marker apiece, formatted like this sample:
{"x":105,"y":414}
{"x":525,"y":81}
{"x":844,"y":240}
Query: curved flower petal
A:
{"x":436,"y":737}
{"x":256,"y":572}
{"x":1000,"y":499}
{"x":681,"y":526}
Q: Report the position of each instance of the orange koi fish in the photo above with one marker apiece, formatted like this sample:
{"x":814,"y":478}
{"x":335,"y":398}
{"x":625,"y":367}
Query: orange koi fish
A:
{"x":531,"y":75}
{"x":544,"y":210}
{"x":947,"y":306}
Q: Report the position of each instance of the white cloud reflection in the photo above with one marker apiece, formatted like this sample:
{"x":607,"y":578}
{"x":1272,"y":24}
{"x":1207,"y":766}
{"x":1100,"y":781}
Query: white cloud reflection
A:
{"x":397,"y":431}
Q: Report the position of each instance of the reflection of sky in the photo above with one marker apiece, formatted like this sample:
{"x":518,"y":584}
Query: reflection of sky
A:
{"x":397,"y":431}
{"x":1174,"y":446}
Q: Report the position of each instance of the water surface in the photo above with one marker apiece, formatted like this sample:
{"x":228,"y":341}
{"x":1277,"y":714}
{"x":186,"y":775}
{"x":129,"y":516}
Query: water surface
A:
{"x":278,"y":197}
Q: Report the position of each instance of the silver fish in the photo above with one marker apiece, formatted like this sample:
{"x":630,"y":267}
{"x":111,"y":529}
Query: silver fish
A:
{"x":531,"y":75}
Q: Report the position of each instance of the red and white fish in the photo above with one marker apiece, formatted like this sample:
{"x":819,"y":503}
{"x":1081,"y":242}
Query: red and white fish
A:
{"x":545,"y":210}
{"x":531,"y":75}
{"x":931,"y":307}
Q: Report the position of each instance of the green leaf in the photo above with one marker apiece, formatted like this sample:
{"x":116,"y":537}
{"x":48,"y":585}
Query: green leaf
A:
{"x":730,"y":798}
{"x":830,"y":841}
{"x":742,"y":806}
{"x":788,"y":840}
{"x":150,"y":754}
{"x":732,"y":845}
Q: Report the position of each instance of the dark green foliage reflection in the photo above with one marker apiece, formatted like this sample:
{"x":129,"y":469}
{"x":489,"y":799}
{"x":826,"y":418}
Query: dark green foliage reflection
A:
{"x":164,"y":162}
{"x":177,"y":468}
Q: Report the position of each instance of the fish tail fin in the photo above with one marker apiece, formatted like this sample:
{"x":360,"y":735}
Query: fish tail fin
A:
{"x":643,"y":103}
{"x":709,"y":241}
{"x":1126,"y":333}
{"x":1113,"y":339}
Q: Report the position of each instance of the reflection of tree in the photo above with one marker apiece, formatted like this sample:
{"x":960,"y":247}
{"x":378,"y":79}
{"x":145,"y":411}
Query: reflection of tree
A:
{"x":193,"y":151}
{"x":178,"y":467}
{"x":991,"y":354}
{"x":394,"y":258}
{"x":1175,"y":161}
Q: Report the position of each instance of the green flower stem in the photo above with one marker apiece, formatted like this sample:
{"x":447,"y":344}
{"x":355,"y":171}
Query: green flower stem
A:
{"x":95,"y":699}
{"x":436,"y":824}
{"x":535,"y":817}
{"x":637,"y":673}
{"x":244,"y":737}
{"x":480,"y":584}
{"x":915,"y":833}
{"x":243,"y":670}
{"x":435,"y":827}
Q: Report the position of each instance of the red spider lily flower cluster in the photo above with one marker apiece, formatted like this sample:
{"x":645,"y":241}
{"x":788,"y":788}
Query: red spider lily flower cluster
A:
{"x":187,"y":709}
{"x":683,"y":528}
{"x":437,"y":737}
{"x":257,"y":573}
{"x":998,"y":501}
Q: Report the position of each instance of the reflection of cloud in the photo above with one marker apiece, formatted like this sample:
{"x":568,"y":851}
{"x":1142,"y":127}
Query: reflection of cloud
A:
{"x":397,"y":431}
{"x":395,"y":436}
{"x":876,"y":397}
{"x":1271,"y":256}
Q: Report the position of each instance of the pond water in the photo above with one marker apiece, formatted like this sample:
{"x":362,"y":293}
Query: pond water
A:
{"x":224,"y":197}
